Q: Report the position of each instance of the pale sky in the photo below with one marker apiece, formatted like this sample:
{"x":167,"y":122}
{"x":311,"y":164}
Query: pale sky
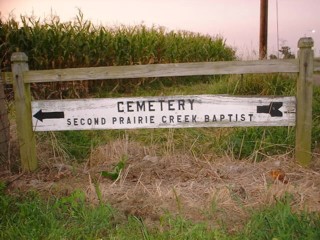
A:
{"x":236,"y":20}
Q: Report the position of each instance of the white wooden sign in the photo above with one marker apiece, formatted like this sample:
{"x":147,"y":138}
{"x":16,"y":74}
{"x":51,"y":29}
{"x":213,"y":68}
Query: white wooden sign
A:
{"x":163,"y":112}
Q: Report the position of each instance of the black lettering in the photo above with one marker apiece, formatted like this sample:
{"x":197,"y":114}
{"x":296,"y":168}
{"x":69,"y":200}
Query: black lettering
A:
{"x":128,"y":120}
{"x":222,"y":117}
{"x":75,"y":121}
{"x":181,"y":104}
{"x":68,"y":121}
{"x":170,"y":105}
{"x":243,"y":117}
{"x":151,"y":119}
{"x":129,"y":106}
{"x":179,"y":118}
{"x":250,"y":115}
{"x":186,"y":118}
{"x":161,"y":104}
{"x":214,"y":118}
{"x":206,"y":118}
{"x":194,"y":118}
{"x":121,"y":120}
{"x":171,"y":119}
{"x":103,"y":121}
{"x":141,"y":106}
{"x":96,"y":121}
{"x":89,"y":121}
{"x":230,"y":116}
{"x":114,"y":119}
{"x":118,"y":105}
{"x":82,"y":122}
{"x":164,"y":119}
{"x":191,"y":101}
{"x":151,"y":107}
{"x":140,"y":119}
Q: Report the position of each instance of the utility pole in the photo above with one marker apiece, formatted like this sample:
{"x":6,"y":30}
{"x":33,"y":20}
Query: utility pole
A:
{"x":263,"y":46}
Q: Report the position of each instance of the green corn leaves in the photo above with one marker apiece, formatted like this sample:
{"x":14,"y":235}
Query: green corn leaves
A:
{"x":51,"y":44}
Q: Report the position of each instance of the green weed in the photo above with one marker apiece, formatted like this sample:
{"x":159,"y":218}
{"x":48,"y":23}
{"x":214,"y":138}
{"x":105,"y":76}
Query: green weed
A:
{"x":71,"y":217}
{"x":316,"y":117}
{"x":259,"y":142}
{"x":280,"y":222}
{"x":115,"y":173}
{"x":78,"y":144}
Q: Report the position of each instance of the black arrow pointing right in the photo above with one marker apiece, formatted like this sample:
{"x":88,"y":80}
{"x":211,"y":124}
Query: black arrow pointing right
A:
{"x":48,"y":115}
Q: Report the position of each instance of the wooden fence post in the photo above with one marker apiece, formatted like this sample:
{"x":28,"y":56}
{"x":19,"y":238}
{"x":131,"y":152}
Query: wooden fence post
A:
{"x":4,"y":126}
{"x":304,"y":102}
{"x":22,"y":98}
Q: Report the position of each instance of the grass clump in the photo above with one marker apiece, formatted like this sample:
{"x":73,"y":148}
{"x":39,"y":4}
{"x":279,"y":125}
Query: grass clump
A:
{"x":281,"y":222}
{"x":256,"y":143}
{"x":30,"y":217}
{"x":77,"y":144}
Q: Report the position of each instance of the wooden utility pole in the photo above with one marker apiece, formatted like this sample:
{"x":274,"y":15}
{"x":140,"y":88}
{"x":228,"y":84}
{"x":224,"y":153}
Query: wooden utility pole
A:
{"x":263,"y":46}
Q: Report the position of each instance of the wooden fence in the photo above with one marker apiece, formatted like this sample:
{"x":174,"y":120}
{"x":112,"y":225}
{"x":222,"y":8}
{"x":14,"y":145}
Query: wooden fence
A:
{"x":21,"y":78}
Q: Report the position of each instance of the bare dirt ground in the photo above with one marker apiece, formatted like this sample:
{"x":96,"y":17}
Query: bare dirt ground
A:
{"x":210,"y":189}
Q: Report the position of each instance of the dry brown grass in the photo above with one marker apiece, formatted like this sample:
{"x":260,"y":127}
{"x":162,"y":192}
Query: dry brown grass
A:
{"x":211,"y":188}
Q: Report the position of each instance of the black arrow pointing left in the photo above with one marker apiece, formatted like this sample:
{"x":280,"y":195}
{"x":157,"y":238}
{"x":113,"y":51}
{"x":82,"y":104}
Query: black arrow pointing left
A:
{"x":272,"y":109}
{"x":48,"y":115}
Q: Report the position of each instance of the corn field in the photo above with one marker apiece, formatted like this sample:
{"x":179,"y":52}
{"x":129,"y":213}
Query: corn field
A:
{"x":50,"y":44}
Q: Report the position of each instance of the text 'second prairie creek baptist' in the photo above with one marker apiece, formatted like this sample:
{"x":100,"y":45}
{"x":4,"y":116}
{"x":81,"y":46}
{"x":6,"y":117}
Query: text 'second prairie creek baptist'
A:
{"x":163,"y":112}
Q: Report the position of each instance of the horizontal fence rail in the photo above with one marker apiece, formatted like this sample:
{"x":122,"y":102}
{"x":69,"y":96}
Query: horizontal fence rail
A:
{"x":158,"y":70}
{"x":161,"y":70}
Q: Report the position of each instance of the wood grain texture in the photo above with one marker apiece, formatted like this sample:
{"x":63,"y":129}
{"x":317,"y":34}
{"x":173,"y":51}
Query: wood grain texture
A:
{"x":163,"y":112}
{"x":162,"y":70}
{"x":304,"y":102}
{"x":22,"y":97}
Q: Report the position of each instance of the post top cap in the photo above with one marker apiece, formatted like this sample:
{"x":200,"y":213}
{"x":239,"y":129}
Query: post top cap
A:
{"x":19,"y":57}
{"x":305,"y":42}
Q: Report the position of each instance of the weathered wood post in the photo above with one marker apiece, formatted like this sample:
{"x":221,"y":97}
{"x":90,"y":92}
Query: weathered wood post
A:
{"x":22,"y":97}
{"x":4,"y":125}
{"x":304,"y":102}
